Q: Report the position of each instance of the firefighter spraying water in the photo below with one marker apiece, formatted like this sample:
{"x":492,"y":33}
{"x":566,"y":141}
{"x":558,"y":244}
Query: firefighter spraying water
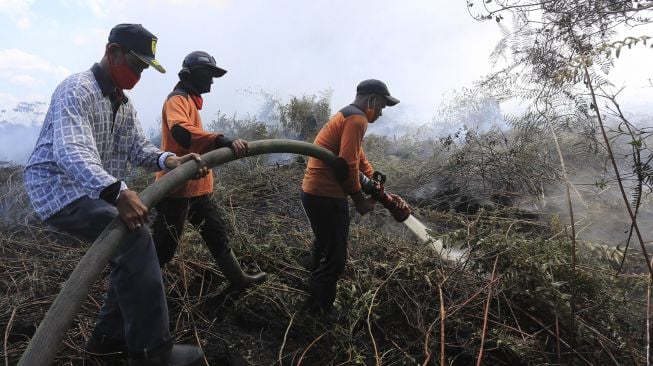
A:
{"x":326,"y":190}
{"x":402,"y":213}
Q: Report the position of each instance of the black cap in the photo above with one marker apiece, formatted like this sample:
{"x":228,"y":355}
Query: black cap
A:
{"x":378,"y":87}
{"x":139,"y":41}
{"x":201,"y":59}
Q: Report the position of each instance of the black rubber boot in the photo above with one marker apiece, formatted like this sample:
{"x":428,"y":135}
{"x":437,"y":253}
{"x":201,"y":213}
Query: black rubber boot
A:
{"x":239,"y":280}
{"x":322,"y":295}
{"x":101,"y":345}
{"x":178,"y":355}
{"x":320,"y":307}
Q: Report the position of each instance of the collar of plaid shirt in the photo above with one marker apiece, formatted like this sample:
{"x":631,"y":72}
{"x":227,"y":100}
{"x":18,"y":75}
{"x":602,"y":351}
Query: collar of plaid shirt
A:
{"x":106,"y":85}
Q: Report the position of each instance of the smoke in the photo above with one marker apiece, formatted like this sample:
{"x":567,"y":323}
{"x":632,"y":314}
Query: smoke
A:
{"x":600,"y":213}
{"x":459,"y":112}
{"x":599,"y":208}
{"x":17,"y":142}
{"x":20,"y":126}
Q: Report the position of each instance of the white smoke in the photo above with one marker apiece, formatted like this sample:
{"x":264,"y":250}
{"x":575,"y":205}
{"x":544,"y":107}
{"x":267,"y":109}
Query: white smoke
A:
{"x":20,"y":125}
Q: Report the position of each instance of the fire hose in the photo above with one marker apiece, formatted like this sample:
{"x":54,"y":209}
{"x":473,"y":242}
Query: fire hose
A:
{"x":49,"y":335}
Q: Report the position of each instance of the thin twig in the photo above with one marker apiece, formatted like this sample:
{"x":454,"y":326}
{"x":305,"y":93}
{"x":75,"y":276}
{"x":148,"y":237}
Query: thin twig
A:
{"x":558,"y":339}
{"x":369,"y":313}
{"x":301,"y":358}
{"x":485,"y":313}
{"x":427,"y":351}
{"x":570,"y":207}
{"x":285,"y":336}
{"x":616,"y":172}
{"x":468,"y":300}
{"x":199,"y":343}
{"x":648,"y":321}
{"x":443,"y":317}
{"x":7,"y":330}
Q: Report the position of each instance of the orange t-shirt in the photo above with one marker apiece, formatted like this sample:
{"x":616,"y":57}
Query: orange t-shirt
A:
{"x":180,"y":109}
{"x":343,"y":135}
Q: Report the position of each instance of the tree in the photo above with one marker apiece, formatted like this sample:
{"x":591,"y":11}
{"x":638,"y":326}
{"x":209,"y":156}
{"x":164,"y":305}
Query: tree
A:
{"x":303,"y":117}
{"x":558,"y":53}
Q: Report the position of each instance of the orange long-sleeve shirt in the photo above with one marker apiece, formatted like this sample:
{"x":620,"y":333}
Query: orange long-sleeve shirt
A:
{"x":179,"y":109}
{"x":343,"y":135}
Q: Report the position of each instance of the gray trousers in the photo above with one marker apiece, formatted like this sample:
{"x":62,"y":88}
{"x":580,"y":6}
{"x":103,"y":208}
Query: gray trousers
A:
{"x":134,"y":306}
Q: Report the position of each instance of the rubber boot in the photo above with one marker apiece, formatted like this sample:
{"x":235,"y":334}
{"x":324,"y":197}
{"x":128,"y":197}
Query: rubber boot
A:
{"x":100,"y":344}
{"x":178,"y":355}
{"x":239,"y":280}
{"x":322,"y":295}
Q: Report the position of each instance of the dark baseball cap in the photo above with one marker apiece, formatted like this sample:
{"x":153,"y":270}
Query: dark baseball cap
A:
{"x":373,"y":86}
{"x":201,"y":59}
{"x":138,"y":40}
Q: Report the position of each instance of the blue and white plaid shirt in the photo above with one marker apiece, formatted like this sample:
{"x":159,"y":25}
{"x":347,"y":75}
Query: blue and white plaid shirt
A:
{"x":82,"y":149}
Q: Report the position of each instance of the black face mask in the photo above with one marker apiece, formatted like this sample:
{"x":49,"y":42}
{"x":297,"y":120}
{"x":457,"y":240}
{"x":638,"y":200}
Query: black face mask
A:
{"x":201,"y":80}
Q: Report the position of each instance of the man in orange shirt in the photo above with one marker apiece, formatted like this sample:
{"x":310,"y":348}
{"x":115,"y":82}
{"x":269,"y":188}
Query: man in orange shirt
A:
{"x":324,"y":196}
{"x":182,"y":132}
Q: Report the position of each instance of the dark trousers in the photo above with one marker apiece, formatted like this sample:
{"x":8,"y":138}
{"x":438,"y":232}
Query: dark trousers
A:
{"x":171,"y":215}
{"x":329,"y":218}
{"x":134,"y":306}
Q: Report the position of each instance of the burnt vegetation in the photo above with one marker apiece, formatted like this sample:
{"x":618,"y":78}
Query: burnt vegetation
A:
{"x":398,"y":302}
{"x":557,"y":272}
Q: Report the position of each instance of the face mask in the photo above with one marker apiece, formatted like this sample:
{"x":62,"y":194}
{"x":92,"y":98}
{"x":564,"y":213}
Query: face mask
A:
{"x":197,"y":80}
{"x":122,"y":75}
{"x":201,"y":81}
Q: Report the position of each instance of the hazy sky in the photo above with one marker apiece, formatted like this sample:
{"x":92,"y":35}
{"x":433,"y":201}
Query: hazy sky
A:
{"x":421,"y":49}
{"x":285,"y":47}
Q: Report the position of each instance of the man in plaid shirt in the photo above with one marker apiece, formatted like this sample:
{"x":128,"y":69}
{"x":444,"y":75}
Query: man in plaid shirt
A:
{"x":74,"y":177}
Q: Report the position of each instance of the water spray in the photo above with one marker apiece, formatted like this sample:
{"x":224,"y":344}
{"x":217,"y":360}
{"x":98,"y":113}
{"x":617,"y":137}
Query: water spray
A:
{"x":49,"y":335}
{"x":402,"y":213}
{"x":422,"y":232}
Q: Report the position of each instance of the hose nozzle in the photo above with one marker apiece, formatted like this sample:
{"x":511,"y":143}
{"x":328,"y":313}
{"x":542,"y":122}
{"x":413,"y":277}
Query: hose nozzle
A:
{"x":393,"y":203}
